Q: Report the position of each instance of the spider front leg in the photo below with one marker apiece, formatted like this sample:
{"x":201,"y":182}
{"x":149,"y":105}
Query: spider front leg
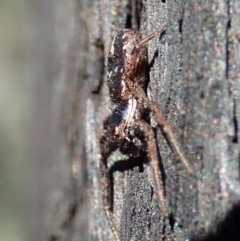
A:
{"x":152,"y":155}
{"x":161,"y":119}
{"x":168,"y":131}
{"x":107,"y":145}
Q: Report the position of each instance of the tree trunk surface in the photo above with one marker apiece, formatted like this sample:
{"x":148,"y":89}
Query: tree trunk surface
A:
{"x":194,"y":77}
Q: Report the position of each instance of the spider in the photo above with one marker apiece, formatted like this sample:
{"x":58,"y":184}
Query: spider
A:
{"x":125,"y":129}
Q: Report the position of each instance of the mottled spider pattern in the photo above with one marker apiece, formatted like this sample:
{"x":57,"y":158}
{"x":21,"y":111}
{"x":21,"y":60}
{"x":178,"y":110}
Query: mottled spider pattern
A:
{"x":125,"y":129}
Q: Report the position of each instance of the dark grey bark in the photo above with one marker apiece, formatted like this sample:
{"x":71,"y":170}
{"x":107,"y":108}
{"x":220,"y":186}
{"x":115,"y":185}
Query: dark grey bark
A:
{"x":195,"y":79}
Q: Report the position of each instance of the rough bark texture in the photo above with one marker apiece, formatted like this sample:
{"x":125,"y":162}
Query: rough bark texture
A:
{"x":195,"y":79}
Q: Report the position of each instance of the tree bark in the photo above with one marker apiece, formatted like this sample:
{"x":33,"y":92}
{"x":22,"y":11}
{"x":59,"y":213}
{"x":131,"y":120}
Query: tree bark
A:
{"x":194,"y":77}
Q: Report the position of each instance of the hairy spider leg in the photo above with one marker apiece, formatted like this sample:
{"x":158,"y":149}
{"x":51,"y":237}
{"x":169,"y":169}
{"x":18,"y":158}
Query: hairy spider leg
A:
{"x":105,"y":182}
{"x":151,"y":36}
{"x":168,"y":131}
{"x":162,"y":122}
{"x":152,"y":155}
{"x":107,"y":147}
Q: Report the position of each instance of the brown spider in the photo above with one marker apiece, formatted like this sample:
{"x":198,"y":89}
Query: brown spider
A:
{"x":127,"y":69}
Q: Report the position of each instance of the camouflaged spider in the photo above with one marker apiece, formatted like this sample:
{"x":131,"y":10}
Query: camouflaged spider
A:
{"x":127,"y":71}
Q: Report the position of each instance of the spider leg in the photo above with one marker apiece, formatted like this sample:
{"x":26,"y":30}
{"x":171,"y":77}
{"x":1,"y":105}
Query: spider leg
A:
{"x":167,"y":129}
{"x":107,"y":146}
{"x":162,"y":121}
{"x":152,"y":154}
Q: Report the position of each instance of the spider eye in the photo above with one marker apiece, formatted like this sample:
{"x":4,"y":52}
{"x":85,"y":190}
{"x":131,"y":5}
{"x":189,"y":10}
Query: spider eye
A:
{"x":110,"y":59}
{"x":119,"y":116}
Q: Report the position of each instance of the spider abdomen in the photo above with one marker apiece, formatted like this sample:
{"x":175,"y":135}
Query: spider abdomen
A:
{"x":127,"y":61}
